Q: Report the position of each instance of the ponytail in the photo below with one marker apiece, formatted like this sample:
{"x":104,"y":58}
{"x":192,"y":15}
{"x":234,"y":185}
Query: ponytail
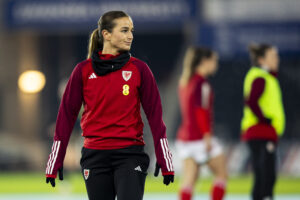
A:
{"x":192,"y":59}
{"x":187,"y":71}
{"x":94,"y":43}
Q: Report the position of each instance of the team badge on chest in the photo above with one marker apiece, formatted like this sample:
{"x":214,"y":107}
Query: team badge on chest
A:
{"x":86,"y":173}
{"x":126,"y":75}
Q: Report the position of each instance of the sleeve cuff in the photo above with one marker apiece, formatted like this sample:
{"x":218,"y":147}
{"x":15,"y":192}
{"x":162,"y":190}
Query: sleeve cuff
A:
{"x":167,"y":173}
{"x":50,"y":176}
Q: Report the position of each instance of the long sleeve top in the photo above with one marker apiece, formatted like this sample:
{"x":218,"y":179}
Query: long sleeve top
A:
{"x":111,"y":117}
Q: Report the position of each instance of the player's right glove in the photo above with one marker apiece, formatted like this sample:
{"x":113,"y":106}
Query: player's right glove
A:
{"x":167,"y":178}
{"x":52,"y":180}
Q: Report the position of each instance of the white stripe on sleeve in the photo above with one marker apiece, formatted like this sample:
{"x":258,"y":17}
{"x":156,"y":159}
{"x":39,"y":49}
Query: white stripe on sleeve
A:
{"x":57,"y":150}
{"x":51,"y":156}
{"x":170,"y":155}
{"x":165,"y":154}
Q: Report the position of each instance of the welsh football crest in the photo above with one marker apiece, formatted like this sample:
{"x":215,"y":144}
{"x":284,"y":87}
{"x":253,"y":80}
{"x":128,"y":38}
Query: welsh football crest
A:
{"x":86,"y":173}
{"x":126,"y":75}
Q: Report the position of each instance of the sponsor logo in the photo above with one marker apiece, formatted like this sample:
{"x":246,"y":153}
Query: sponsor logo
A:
{"x":138,"y":168}
{"x":86,"y":173}
{"x":126,"y":75}
{"x":92,"y":76}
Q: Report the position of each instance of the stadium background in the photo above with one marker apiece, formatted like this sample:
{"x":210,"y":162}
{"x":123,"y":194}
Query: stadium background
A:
{"x":51,"y":37}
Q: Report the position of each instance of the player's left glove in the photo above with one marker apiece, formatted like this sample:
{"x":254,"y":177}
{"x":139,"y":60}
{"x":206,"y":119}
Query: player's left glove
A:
{"x":52,"y":180}
{"x":167,"y":178}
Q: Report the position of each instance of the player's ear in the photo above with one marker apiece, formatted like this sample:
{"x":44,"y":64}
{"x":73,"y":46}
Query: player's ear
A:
{"x":106,"y":35}
{"x":261,"y":60}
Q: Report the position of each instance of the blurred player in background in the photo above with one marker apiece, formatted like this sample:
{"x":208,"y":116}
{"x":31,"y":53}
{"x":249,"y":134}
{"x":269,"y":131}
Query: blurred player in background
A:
{"x":264,"y":120}
{"x":196,"y":144}
{"x":112,"y":85}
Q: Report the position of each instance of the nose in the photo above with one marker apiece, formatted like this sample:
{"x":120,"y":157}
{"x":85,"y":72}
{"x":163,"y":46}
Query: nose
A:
{"x":130,"y":36}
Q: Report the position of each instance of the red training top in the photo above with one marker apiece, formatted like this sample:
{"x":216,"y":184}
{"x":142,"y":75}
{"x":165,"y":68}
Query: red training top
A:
{"x":111,"y":117}
{"x":196,"y":104}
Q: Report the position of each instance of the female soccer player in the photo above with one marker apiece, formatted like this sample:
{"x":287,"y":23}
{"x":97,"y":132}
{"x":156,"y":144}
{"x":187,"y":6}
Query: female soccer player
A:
{"x":112,"y":84}
{"x":195,"y":143}
{"x":264,"y":118}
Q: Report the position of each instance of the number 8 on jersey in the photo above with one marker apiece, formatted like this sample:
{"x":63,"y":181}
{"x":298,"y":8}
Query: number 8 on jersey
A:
{"x":125,"y":89}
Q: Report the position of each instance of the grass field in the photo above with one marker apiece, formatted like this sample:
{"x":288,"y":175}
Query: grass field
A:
{"x":20,"y":183}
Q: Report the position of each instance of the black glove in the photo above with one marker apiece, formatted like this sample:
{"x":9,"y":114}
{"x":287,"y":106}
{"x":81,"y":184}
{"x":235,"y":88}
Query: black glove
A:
{"x":167,"y":178}
{"x":52,"y":180}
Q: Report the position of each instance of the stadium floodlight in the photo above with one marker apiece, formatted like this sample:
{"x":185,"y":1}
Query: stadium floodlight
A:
{"x":31,"y":81}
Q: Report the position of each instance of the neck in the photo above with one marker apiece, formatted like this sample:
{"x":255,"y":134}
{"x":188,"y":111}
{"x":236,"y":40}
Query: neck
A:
{"x":266,"y":68}
{"x":201,"y":72}
{"x":109,"y":50}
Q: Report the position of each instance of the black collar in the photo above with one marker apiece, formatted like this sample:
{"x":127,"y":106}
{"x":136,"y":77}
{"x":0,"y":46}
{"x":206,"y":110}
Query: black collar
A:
{"x":103,"y":67}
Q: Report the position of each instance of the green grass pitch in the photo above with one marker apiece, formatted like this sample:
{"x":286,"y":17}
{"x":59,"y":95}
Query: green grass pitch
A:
{"x":73,"y":183}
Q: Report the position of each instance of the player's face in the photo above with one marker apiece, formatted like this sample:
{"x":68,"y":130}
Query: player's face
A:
{"x":271,"y":59}
{"x":122,"y":34}
{"x":212,"y":64}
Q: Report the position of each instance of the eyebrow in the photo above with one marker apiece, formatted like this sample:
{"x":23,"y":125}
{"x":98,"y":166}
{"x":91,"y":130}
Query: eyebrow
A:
{"x":126,"y":27}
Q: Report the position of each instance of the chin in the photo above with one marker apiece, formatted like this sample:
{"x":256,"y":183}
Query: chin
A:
{"x":128,"y":48}
{"x":124,"y":49}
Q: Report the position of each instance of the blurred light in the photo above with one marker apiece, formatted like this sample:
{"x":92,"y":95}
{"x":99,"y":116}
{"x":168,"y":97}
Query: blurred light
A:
{"x":31,"y":81}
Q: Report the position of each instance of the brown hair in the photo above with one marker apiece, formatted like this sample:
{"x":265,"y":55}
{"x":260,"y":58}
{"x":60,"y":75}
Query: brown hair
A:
{"x":106,"y":22}
{"x":258,"y":51}
{"x":193,"y":57}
